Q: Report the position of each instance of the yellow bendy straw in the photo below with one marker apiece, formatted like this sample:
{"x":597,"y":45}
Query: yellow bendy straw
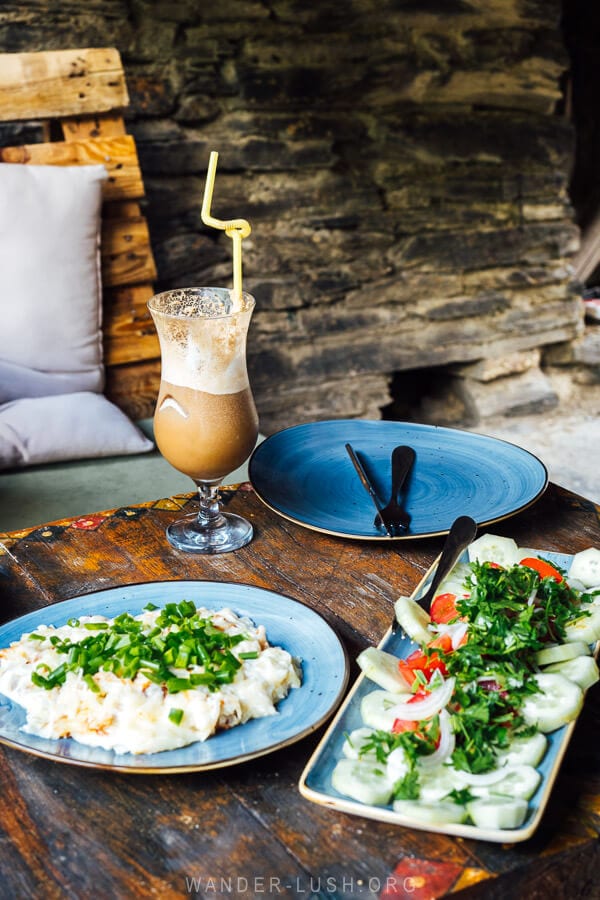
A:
{"x":236,"y":229}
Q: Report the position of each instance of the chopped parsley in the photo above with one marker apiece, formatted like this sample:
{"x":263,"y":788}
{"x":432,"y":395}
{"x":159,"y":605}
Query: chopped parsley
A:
{"x":407,"y":788}
{"x":462,"y":796}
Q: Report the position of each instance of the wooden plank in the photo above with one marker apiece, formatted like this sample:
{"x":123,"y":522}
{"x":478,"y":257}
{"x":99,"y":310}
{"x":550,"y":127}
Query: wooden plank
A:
{"x":60,"y":83}
{"x":129,"y":332}
{"x":94,"y":126}
{"x":126,"y":252}
{"x":121,"y":209}
{"x":117,"y":154}
{"x":134,"y":388}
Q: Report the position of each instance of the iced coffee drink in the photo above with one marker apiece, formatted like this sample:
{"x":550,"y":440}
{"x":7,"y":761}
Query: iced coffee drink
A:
{"x":205,"y":422}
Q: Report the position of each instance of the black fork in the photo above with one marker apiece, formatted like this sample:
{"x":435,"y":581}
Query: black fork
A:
{"x":393,"y":515}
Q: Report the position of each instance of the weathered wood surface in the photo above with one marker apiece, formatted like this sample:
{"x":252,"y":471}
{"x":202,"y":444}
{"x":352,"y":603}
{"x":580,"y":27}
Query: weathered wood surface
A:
{"x":126,"y":252}
{"x":134,"y":387}
{"x":245,"y":831}
{"x":129,"y":332}
{"x":61,"y":83}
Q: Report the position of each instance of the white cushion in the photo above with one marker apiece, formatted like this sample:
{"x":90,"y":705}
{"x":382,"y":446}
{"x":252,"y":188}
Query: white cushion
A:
{"x":20,"y":381}
{"x":51,"y":371}
{"x":50,"y":287}
{"x":66,"y":426}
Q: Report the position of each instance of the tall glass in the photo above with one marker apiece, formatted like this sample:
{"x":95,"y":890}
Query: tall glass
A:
{"x":205,"y":423}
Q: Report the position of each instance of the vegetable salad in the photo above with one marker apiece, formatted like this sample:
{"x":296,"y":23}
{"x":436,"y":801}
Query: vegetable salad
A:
{"x":455,"y":731}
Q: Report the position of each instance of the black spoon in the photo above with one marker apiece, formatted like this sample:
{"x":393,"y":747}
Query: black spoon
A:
{"x":462,"y":533}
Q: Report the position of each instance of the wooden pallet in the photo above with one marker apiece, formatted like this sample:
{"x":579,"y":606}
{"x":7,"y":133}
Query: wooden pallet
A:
{"x":79,"y":95}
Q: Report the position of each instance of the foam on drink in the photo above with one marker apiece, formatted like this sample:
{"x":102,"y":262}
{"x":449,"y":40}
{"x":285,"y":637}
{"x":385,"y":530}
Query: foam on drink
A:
{"x":203,"y":340}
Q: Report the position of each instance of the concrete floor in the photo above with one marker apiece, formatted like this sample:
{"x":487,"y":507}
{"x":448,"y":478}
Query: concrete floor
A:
{"x":567,"y":444}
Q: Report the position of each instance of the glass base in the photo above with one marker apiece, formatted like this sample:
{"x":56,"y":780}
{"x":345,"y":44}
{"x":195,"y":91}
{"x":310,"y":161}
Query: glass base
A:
{"x":230,"y":533}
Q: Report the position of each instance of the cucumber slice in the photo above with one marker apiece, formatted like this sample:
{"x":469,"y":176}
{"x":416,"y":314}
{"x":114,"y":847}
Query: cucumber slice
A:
{"x":413,"y":619}
{"x":524,"y":751}
{"x":438,"y":783}
{"x":528,"y":553}
{"x":561,"y":652}
{"x":493,"y":548}
{"x":455,"y":582}
{"x":501,"y":812}
{"x":586,"y":567}
{"x":398,"y":764}
{"x":362,"y":781}
{"x":382,"y":668}
{"x":431,"y":813}
{"x":585,"y":628}
{"x":519,"y":781}
{"x":559,"y":702}
{"x":354,"y":743}
{"x":583,"y":670}
{"x":376,"y":709}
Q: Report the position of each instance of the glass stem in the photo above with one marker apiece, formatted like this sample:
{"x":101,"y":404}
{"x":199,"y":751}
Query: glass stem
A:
{"x":209,"y":514}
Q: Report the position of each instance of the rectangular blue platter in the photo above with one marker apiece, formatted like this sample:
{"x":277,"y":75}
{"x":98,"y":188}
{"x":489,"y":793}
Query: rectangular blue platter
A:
{"x":315,"y":782}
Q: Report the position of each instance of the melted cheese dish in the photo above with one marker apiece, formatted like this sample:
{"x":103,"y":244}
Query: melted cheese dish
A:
{"x":141,"y":714}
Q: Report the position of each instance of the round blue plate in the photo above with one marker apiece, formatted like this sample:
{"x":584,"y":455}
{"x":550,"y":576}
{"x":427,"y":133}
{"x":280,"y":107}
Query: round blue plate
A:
{"x":288,"y":624}
{"x":304,"y":474}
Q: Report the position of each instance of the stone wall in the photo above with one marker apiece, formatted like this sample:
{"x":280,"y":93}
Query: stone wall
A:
{"x":403,"y":163}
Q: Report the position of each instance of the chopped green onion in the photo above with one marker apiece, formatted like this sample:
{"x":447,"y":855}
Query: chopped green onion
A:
{"x":93,"y":686}
{"x":180,"y":639}
{"x":176,"y":715}
{"x":150,"y":664}
{"x":174,"y":685}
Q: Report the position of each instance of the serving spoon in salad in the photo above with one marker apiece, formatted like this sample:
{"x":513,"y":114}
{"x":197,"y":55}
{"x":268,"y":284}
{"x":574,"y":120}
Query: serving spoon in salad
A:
{"x":462,"y":533}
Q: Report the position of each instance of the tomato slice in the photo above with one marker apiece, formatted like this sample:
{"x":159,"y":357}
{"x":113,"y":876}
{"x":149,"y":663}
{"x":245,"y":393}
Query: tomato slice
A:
{"x":543,"y":568}
{"x":443,"y":641}
{"x":419,"y":661}
{"x":419,"y":695}
{"x":402,"y":725}
{"x":443,"y":608}
{"x":421,"y":729}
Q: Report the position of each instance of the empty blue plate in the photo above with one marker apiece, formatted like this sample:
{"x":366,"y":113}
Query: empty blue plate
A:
{"x":304,"y":474}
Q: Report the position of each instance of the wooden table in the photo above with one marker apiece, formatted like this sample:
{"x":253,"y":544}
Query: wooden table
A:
{"x":245,"y":831}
